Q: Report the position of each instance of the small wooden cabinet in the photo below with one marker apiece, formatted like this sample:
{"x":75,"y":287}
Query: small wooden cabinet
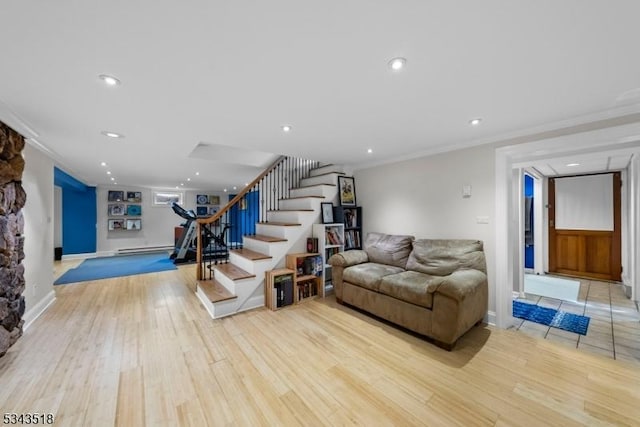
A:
{"x":278,"y":288}
{"x":307,"y":271}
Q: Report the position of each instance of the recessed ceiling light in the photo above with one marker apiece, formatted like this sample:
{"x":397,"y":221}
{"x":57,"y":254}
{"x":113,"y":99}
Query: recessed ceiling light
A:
{"x":225,"y":190}
{"x":115,"y":183}
{"x":573,"y":164}
{"x":197,"y":173}
{"x":111,"y":134}
{"x":235,"y":188}
{"x":103,"y":164}
{"x":286,"y":128}
{"x":475,"y":122}
{"x":113,"y":179}
{"x":108,"y":172}
{"x":246,"y":183}
{"x":397,"y":64}
{"x":182,"y":183}
{"x":109,"y":80}
{"x":369,"y":151}
{"x":188,"y":179}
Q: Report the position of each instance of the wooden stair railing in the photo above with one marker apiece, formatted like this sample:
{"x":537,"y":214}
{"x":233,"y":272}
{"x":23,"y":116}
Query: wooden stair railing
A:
{"x":223,"y":231}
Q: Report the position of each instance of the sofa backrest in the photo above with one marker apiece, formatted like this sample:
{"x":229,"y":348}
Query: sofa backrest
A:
{"x":441,"y":257}
{"x":389,"y":249}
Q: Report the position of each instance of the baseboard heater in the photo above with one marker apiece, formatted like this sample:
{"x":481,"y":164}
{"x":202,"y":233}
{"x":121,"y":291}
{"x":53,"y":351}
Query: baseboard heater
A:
{"x":144,"y":250}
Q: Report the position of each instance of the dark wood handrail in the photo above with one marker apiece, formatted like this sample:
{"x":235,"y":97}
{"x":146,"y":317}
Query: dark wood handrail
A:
{"x":226,"y":208}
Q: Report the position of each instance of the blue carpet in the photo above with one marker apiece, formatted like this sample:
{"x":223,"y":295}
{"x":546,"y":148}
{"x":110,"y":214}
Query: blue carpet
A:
{"x":116,"y":266}
{"x":551,"y":317}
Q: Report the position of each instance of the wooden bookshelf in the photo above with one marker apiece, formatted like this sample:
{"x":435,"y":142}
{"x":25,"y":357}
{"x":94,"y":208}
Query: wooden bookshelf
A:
{"x":273,"y":282}
{"x":305,"y":284}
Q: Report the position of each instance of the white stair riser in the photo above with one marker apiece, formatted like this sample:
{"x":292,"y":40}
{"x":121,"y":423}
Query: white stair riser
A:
{"x":229,"y":284}
{"x":263,"y":247}
{"x":321,"y":179}
{"x":296,"y":217}
{"x":253,"y":267}
{"x":317,"y":190}
{"x":304,"y":203}
{"x":326,"y":169}
{"x":283,"y":232}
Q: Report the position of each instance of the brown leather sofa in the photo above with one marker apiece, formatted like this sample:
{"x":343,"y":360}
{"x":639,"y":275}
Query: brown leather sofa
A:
{"x":437,"y":288}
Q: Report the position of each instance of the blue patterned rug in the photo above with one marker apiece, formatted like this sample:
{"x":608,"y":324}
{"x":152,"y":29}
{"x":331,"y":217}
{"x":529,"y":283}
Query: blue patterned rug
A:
{"x":551,"y":317}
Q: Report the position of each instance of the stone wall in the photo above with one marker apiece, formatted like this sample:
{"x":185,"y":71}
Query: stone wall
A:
{"x":12,"y":199}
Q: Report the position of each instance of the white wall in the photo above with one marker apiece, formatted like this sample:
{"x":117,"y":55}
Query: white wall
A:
{"x":37,"y":181}
{"x":158,"y":222}
{"x":423,"y":197}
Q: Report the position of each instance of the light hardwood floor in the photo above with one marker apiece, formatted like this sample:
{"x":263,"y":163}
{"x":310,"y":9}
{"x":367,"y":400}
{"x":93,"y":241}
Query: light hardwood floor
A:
{"x":141,"y":350}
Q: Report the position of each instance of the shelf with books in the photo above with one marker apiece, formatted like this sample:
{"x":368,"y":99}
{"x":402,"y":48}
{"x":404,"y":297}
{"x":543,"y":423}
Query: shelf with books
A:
{"x":330,"y":242}
{"x":351,"y":217}
{"x":307,"y":275}
{"x":278,"y":288}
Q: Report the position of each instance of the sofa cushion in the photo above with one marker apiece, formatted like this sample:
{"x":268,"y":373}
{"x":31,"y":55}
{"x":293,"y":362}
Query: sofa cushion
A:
{"x":411,"y":286}
{"x":369,"y":274}
{"x":442,"y":257}
{"x":389,"y":249}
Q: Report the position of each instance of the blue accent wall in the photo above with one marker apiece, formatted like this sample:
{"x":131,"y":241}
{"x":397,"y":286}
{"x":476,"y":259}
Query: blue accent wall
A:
{"x":79,"y":214}
{"x":528,"y":250}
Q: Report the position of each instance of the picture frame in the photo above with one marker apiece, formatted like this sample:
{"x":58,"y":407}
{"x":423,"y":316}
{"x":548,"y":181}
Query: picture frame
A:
{"x":134,"y":224}
{"x":116,"y":209}
{"x":134,"y":196}
{"x":202,"y":199}
{"x":166,"y":198}
{"x":134,"y":210}
{"x":202,"y":211}
{"x":213,"y":210}
{"x":327,"y":213}
{"x":116,"y":224}
{"x":115,"y":196}
{"x":214,"y":200}
{"x":347,"y":191}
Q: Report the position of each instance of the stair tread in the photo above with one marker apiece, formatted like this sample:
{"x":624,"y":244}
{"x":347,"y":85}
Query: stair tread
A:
{"x":325,"y":174}
{"x":251,"y":255}
{"x":214,"y":290}
{"x":303,"y":197}
{"x":291,"y":210}
{"x":265,"y":238}
{"x":280,"y":223}
{"x":314,"y":185}
{"x":233,"y":272}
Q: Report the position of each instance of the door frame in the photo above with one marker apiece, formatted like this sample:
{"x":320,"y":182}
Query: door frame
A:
{"x":613,"y":139}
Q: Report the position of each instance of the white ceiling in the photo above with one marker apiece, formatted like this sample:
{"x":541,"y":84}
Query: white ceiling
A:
{"x":212,"y":75}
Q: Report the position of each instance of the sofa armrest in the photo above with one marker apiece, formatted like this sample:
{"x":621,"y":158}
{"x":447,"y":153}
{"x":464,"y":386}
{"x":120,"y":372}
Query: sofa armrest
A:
{"x":341,"y":261}
{"x":348,"y":258}
{"x":462,"y":283}
{"x":460,"y":302}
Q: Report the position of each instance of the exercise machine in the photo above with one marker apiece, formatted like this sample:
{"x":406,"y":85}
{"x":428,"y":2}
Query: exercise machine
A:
{"x":185,"y":250}
{"x":214,"y":246}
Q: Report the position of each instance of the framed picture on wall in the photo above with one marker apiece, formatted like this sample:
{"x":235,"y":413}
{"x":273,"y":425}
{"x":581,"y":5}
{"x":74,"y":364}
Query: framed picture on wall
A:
{"x":327,"y":213}
{"x":134,"y":224}
{"x":347,"y":190}
{"x":202,"y":210}
{"x":134,"y":196}
{"x":116,"y":209}
{"x":134,"y":210}
{"x":116,"y":224}
{"x":202,"y":199}
{"x":214,"y":200}
{"x":162,"y":198}
{"x":115,"y":196}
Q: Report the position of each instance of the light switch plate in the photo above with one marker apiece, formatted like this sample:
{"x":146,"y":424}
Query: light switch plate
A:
{"x":482,"y":219}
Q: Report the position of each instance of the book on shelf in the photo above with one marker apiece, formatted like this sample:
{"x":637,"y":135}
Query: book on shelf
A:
{"x":333,"y":237}
{"x":351,"y":218}
{"x":312,"y":244}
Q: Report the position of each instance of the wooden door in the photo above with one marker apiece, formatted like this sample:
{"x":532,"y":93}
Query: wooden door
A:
{"x":586,"y":253}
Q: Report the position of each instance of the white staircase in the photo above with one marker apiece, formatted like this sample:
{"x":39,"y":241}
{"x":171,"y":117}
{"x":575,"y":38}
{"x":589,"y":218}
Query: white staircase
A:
{"x":239,"y":285}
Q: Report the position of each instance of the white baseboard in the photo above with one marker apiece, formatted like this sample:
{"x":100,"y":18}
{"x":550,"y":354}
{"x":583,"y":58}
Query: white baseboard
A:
{"x":490,"y":318}
{"x":86,"y":255}
{"x":37,"y":310}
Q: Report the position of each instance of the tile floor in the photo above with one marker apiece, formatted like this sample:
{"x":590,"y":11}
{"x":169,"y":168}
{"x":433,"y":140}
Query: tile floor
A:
{"x":614,"y":329}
